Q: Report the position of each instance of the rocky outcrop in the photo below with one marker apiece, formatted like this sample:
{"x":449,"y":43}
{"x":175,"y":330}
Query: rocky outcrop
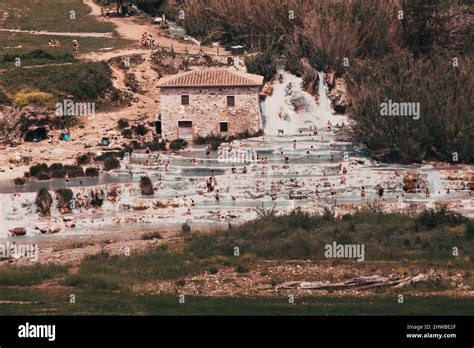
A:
{"x":338,"y":93}
{"x":20,"y":121}
{"x":44,"y":200}
{"x":18,"y":231}
{"x":411,"y":182}
{"x":146,"y":186}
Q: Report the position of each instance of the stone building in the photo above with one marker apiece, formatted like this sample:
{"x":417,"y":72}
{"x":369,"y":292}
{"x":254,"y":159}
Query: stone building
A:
{"x":209,"y":101}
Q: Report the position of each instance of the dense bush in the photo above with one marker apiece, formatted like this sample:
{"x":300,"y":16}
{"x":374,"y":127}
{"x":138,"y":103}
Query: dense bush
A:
{"x":58,"y":173}
{"x":74,"y":171}
{"x":82,"y":81}
{"x":123,"y":123}
{"x":438,"y":87}
{"x":185,"y":229}
{"x":261,"y":64}
{"x":216,"y":140}
{"x":431,"y":218}
{"x":83,"y":159}
{"x":64,"y":197}
{"x":470,"y":229}
{"x":38,"y":57}
{"x":32,"y":97}
{"x":151,"y":235}
{"x":141,"y":129}
{"x":178,"y":144}
{"x":56,"y":166}
{"x":43,"y":176}
{"x":55,"y":170}
{"x":127,"y":133}
{"x":111,"y":163}
{"x":37,"y":168}
{"x":146,"y":186}
{"x":19,"y":181}
{"x":156,"y":145}
{"x":92,"y":171}
{"x":299,"y":235}
{"x":4,"y":99}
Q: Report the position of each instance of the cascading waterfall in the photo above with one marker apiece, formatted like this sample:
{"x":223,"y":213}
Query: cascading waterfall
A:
{"x":290,"y":108}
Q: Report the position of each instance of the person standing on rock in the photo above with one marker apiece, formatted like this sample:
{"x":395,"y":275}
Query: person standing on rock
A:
{"x":75,"y":45}
{"x":381,"y":192}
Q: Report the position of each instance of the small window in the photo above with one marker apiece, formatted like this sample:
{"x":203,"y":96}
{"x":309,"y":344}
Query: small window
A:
{"x":185,"y":100}
{"x":230,"y":100}
{"x":224,"y":127}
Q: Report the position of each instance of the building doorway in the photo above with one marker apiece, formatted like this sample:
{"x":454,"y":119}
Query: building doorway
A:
{"x":158,"y":127}
{"x":185,"y":130}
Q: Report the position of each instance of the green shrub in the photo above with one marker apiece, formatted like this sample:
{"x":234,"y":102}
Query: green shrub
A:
{"x":43,"y":176}
{"x":109,"y":154}
{"x":146,"y":186}
{"x":178,"y":144}
{"x":83,"y":159}
{"x":4,"y":99}
{"x":64,"y":197}
{"x":470,"y":229}
{"x":32,"y":97}
{"x":127,"y":133}
{"x":432,"y":218}
{"x":19,"y":181}
{"x":82,"y":81}
{"x":37,"y":168}
{"x":185,"y":229}
{"x":151,"y":235}
{"x":92,"y":171}
{"x":56,"y":166}
{"x":123,"y":123}
{"x":241,"y":269}
{"x":141,"y":129}
{"x":439,"y":89}
{"x":111,"y":163}
{"x":74,"y":171}
{"x":58,"y":173}
{"x":262,"y":64}
{"x":155,"y":145}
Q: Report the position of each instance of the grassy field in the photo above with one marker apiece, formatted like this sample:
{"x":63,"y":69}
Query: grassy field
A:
{"x":50,"y":15}
{"x":101,"y":302}
{"x":427,"y":238}
{"x":20,"y":43}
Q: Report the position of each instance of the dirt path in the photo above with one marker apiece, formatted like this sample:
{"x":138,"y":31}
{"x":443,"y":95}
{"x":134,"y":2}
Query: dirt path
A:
{"x":131,"y":28}
{"x":107,"y":55}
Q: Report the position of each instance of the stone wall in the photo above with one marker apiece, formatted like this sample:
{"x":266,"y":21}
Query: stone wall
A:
{"x":208,"y":107}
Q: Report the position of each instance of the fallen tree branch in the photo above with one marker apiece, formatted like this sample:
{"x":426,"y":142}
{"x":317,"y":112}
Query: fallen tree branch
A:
{"x":361,"y":283}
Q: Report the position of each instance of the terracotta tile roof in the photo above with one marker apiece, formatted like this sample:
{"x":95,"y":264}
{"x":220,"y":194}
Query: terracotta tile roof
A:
{"x":211,"y":78}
